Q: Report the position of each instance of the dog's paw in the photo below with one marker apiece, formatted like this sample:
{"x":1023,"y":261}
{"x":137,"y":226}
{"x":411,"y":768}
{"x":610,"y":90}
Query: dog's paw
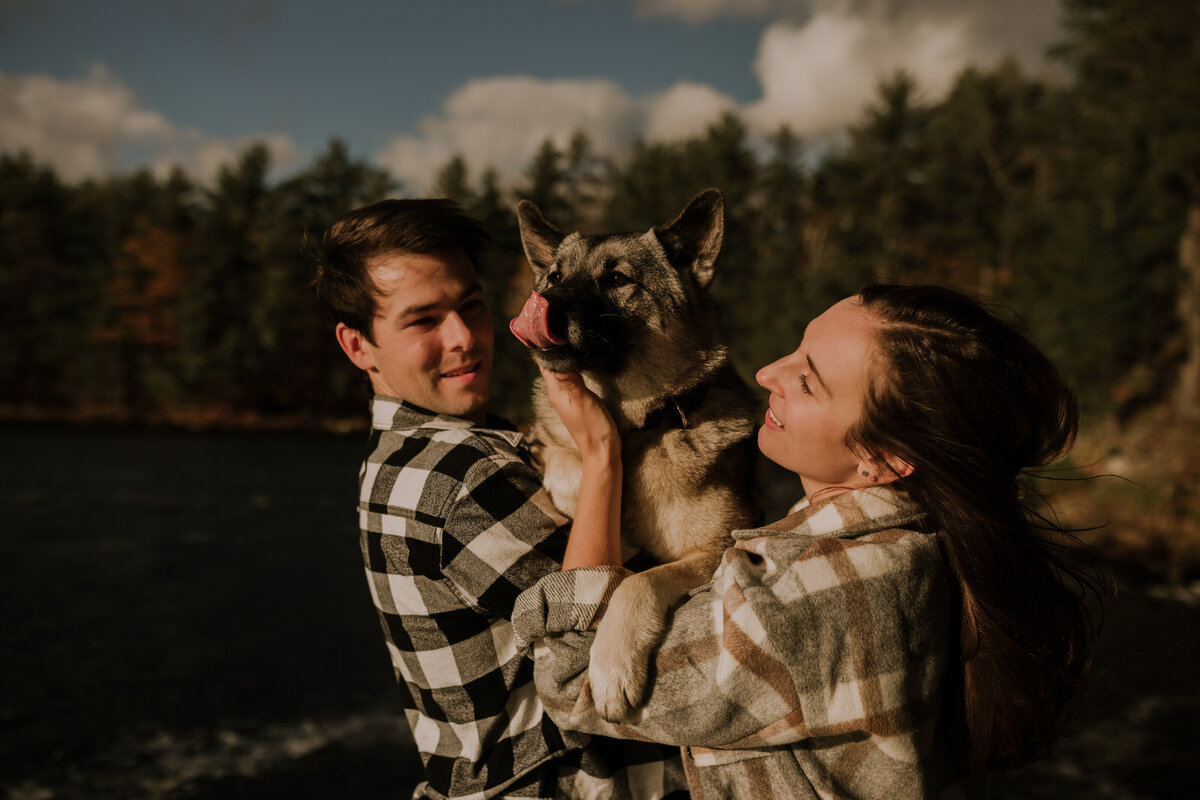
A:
{"x":624,"y":645}
{"x":617,"y":674}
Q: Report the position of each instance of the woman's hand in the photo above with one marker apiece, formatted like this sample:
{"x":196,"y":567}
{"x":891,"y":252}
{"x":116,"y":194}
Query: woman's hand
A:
{"x":583,"y":415}
{"x":595,"y":538}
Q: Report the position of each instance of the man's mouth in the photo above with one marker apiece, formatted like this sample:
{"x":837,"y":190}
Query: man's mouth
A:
{"x":469,"y":369}
{"x":774,"y":420}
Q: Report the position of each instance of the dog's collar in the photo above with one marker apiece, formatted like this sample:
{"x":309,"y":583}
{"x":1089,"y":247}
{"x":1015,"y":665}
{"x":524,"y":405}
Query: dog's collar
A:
{"x":674,"y":412}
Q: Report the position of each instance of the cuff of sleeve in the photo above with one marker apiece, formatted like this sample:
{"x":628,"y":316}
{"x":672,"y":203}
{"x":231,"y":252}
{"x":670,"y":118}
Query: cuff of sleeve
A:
{"x":564,"y":601}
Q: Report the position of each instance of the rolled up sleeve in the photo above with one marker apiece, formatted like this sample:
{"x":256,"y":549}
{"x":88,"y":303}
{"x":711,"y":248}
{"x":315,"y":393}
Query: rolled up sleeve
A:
{"x":565,"y":601}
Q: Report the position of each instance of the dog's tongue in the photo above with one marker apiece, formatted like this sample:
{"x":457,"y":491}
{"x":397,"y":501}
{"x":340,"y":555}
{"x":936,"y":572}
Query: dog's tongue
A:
{"x":532,"y":325}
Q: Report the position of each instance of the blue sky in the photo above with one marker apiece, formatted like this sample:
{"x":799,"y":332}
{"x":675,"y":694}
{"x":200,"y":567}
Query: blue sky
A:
{"x":95,"y":87}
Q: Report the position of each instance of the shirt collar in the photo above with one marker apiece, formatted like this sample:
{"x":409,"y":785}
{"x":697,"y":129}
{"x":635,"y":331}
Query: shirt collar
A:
{"x":393,"y":414}
{"x":847,"y":515}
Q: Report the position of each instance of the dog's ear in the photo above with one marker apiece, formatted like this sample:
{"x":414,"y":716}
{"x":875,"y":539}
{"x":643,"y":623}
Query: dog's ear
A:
{"x":539,"y":237}
{"x":693,"y":239}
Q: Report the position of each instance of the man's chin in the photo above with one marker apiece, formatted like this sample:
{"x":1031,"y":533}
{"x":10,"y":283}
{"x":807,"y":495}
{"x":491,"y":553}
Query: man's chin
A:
{"x":466,"y":405}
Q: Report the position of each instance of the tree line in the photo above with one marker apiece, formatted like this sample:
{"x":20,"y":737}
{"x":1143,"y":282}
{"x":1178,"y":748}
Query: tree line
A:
{"x":1074,"y":202}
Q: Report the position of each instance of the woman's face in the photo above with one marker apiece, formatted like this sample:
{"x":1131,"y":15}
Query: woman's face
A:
{"x":817,"y":395}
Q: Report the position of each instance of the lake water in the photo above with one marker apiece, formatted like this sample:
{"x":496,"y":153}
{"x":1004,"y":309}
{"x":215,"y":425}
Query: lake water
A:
{"x":184,"y":616}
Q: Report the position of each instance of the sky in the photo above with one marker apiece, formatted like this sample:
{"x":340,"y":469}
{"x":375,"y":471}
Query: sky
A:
{"x":97,"y":87}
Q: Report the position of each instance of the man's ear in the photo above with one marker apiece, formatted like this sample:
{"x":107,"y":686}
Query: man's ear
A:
{"x":355,"y":345}
{"x":893,"y":468}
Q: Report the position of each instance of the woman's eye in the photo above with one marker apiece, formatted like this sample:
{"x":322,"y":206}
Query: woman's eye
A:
{"x":804,"y":384}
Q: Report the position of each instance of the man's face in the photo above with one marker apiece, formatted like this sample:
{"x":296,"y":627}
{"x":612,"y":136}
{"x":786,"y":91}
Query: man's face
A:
{"x":433,"y":333}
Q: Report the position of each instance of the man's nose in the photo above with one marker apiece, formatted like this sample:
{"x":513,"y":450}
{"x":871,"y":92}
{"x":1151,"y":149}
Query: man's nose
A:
{"x":457,"y":333}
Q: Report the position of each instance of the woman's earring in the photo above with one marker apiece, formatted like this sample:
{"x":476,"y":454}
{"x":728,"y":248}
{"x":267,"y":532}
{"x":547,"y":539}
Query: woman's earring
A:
{"x":866,"y":474}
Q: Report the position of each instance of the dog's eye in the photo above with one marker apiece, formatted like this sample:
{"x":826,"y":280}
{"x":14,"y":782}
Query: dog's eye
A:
{"x":617,"y":279}
{"x":554,"y":277}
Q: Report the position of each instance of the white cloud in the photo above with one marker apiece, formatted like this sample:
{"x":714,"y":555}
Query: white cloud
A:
{"x":93,"y":126}
{"x":77,"y":126}
{"x":204,"y":156}
{"x":819,"y":76}
{"x":684,"y":110}
{"x":501,"y":122}
{"x":1023,"y":27}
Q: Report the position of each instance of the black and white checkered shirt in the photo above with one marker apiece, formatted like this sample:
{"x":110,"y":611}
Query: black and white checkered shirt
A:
{"x":454,"y":525}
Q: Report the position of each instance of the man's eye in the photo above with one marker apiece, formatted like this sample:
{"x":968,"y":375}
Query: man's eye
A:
{"x":421,"y":322}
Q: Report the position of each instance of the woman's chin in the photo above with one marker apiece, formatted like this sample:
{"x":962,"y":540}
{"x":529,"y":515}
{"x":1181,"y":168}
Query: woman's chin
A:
{"x":771,"y":450}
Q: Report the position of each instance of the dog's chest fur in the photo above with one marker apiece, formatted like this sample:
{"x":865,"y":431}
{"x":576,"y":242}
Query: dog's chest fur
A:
{"x":687,"y":474}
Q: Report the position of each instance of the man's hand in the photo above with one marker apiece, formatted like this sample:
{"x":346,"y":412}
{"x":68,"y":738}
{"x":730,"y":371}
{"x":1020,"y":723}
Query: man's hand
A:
{"x":583,"y":415}
{"x":595,"y":538}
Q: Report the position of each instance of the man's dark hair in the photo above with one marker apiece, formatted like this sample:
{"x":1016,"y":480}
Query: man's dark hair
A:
{"x":345,"y":291}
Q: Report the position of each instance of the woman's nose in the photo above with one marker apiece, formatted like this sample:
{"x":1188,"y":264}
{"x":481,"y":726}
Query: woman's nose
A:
{"x":765,"y":377}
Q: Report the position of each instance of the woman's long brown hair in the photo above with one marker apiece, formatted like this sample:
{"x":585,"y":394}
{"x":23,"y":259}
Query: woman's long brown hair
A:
{"x":971,"y":403}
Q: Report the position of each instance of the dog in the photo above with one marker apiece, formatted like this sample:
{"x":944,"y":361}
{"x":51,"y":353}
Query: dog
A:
{"x":632,"y":314}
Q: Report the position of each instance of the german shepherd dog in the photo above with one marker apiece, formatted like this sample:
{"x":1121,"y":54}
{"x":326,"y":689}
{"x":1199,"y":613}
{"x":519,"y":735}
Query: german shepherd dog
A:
{"x":632,"y":314}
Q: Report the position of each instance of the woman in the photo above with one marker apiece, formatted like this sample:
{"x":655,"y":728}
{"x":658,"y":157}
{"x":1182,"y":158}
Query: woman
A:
{"x":907,"y":626}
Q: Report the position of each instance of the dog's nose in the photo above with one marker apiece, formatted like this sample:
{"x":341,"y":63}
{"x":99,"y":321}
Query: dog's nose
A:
{"x":559,"y":302}
{"x":556,"y":322}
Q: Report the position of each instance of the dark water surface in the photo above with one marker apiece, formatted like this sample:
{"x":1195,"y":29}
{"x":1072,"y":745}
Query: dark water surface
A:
{"x":185,"y":616}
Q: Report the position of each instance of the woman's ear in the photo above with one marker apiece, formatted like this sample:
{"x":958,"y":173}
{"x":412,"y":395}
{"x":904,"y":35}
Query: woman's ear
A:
{"x":877,"y":474}
{"x":895,"y":469}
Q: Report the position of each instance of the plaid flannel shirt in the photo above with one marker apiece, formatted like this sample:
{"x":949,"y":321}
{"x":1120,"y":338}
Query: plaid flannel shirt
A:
{"x":454,"y":525}
{"x":810,"y":667}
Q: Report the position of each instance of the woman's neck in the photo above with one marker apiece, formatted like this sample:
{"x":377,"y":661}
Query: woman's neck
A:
{"x":816,"y":490}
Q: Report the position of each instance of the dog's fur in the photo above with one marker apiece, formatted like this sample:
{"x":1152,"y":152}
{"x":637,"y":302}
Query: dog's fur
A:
{"x":633,"y":315}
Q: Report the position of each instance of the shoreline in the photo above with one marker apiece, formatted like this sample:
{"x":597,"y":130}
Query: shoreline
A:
{"x":215,"y":419}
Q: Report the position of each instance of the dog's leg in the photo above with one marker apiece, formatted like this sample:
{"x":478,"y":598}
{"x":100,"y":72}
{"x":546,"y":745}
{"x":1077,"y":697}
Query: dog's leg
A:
{"x":632,"y":627}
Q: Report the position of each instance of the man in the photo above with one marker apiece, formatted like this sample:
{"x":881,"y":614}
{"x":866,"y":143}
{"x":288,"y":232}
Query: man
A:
{"x":454,"y":521}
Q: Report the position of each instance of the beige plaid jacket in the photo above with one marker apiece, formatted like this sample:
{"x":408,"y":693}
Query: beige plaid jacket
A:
{"x":810,"y":667}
